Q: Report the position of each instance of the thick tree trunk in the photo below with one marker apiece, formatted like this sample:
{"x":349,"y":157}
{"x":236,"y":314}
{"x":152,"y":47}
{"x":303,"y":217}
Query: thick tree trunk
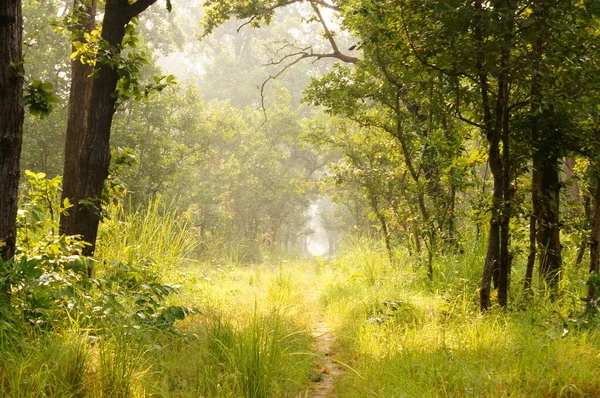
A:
{"x":11,"y":125}
{"x":79,"y":105}
{"x":95,"y":148}
{"x":11,"y":120}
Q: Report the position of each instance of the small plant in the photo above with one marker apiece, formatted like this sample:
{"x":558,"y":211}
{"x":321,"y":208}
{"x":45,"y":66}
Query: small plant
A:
{"x":592,"y":302}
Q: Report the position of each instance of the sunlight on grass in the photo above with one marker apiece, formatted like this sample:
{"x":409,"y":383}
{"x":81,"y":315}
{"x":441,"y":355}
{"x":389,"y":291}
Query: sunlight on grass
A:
{"x":404,"y":341}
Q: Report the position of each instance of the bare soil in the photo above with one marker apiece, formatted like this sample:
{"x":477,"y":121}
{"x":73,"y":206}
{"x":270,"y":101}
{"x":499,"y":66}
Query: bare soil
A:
{"x":328,"y":368}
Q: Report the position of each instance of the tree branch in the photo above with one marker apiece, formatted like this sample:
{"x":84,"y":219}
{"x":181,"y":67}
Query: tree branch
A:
{"x":336,"y":51}
{"x":248,"y":22}
{"x":327,"y":5}
{"x":138,"y":7}
{"x":302,"y":54}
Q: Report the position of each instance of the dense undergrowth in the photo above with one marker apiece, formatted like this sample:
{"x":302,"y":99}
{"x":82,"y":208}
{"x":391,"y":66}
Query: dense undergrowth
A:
{"x":405,"y":338}
{"x":153,"y":320}
{"x":106,"y":327}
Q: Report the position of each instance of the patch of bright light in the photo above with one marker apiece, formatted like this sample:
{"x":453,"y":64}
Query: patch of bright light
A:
{"x":316,"y":249}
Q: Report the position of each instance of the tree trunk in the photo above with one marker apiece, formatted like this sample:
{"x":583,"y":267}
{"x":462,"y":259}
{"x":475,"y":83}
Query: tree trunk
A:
{"x":79,"y":105}
{"x":549,"y":226}
{"x":11,"y":126}
{"x":94,"y":160}
{"x":546,"y":156}
{"x":384,"y":227}
{"x":498,"y":261}
{"x":534,"y":120}
{"x":595,"y":240}
{"x":533,"y":219}
{"x":587,"y":211}
{"x":492,"y":258}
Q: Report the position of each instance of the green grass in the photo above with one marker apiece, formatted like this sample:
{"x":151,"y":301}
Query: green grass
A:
{"x":156,"y":231}
{"x":405,"y":338}
{"x":397,"y":333}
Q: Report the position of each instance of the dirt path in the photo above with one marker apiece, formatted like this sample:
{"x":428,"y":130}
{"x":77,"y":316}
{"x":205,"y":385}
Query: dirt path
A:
{"x":328,"y":369}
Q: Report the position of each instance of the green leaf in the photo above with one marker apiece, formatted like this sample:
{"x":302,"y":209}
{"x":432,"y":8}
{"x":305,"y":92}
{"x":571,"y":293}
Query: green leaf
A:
{"x":46,"y":86}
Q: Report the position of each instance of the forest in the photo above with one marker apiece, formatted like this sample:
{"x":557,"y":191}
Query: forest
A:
{"x":299,"y":198}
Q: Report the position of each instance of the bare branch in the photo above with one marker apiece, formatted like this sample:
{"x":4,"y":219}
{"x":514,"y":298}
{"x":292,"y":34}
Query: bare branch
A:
{"x":306,"y":52}
{"x":336,"y":51}
{"x":302,"y":54}
{"x":248,"y":22}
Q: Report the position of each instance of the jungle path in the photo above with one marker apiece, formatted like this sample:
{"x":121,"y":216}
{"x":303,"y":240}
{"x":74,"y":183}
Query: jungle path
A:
{"x":324,"y":386}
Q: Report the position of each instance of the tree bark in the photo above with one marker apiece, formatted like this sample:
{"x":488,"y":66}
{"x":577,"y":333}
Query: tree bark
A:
{"x":11,"y":126}
{"x":79,"y":106}
{"x":94,"y":158}
{"x":533,"y":219}
{"x":595,"y":240}
{"x":549,"y":226}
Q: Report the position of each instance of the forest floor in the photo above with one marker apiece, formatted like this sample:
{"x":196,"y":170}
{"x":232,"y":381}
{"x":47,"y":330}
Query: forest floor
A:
{"x":372,"y":329}
{"x":330,"y":369}
{"x":292,"y":290}
{"x":353,"y":326}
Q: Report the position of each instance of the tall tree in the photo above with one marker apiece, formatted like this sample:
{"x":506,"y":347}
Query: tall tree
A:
{"x":94,"y":150}
{"x":11,"y":120}
{"x":82,"y":21}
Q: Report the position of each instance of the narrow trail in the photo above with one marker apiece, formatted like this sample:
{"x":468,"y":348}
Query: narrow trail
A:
{"x":327,"y":368}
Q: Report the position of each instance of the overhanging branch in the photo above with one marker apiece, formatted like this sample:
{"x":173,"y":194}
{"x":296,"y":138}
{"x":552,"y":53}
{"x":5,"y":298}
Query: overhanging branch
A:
{"x":138,"y":7}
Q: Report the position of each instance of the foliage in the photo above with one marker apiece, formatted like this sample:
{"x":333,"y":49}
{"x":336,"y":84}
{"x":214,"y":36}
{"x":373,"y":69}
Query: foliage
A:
{"x":51,"y":284}
{"x":39,"y":98}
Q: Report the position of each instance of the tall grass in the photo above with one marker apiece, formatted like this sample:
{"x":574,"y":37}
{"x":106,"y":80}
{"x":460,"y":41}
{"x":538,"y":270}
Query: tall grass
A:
{"x":408,"y":339}
{"x":157,"y":231}
{"x":49,"y":365}
{"x":250,"y":341}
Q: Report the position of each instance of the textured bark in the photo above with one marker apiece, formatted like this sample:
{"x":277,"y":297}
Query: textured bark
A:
{"x":549,"y":226}
{"x":79,"y":105}
{"x":94,"y":158}
{"x":11,"y":127}
{"x":11,"y":121}
{"x":595,"y":240}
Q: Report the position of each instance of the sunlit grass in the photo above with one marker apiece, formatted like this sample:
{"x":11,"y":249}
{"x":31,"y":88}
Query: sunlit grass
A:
{"x":157,"y":231}
{"x":410,"y":339}
{"x":397,"y":333}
